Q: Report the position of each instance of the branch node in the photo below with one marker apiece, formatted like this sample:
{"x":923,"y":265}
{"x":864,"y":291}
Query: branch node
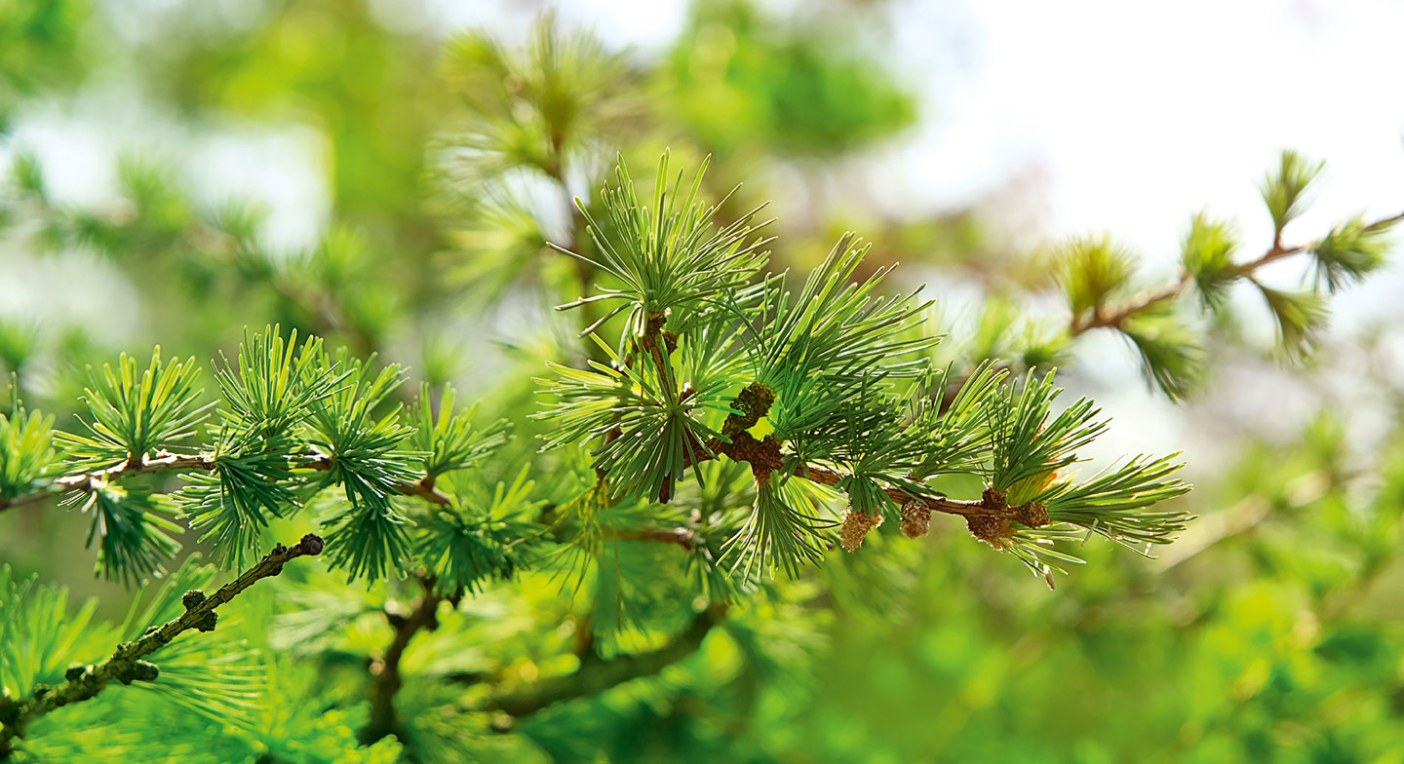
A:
{"x":138,"y":671}
{"x":994,"y":498}
{"x":311,"y":544}
{"x":192,"y":599}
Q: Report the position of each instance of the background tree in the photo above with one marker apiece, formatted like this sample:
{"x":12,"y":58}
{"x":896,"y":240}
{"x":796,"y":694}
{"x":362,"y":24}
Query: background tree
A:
{"x":475,"y":597}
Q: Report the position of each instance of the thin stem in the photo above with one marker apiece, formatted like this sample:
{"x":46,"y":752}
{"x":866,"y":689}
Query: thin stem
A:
{"x":125,"y":664}
{"x":163,"y":461}
{"x":574,"y":237}
{"x":1106,"y":316}
{"x":166,"y":461}
{"x":681,"y":536}
{"x":984,"y":507}
{"x":765,"y":457}
{"x":424,"y":488}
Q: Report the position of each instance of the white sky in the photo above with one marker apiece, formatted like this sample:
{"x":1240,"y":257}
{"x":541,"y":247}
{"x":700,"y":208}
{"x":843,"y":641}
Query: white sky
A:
{"x":1139,"y":114}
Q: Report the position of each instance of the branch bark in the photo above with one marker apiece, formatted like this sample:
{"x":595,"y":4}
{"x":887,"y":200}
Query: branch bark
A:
{"x":988,"y":517}
{"x":162,"y":461}
{"x":126,"y":664}
{"x":167,"y":461}
{"x":597,"y":675}
{"x":388,"y":679}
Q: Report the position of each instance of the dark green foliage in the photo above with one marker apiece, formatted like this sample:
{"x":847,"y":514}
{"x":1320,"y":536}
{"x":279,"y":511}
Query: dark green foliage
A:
{"x":363,"y":456}
{"x":133,"y":528}
{"x":267,"y":398}
{"x":651,"y":431}
{"x":835,"y":335}
{"x":275,"y":382}
{"x":450,"y":438}
{"x":485,"y":538}
{"x":807,"y":384}
{"x":958,"y":434}
{"x":788,"y":527}
{"x":1114,"y":503}
{"x":233,"y":502}
{"x":1030,"y":446}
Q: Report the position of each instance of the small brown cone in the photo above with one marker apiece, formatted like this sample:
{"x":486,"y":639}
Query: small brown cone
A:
{"x":1034,"y":515}
{"x":916,"y":519}
{"x":855,"y":528}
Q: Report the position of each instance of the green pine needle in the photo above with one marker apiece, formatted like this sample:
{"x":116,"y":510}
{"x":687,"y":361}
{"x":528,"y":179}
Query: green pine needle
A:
{"x":652,"y":429}
{"x":275,"y":382}
{"x":39,"y":637}
{"x":1284,"y":189}
{"x":467,"y":546}
{"x":366,"y":459}
{"x":1029,"y":447}
{"x":134,"y":530}
{"x":1171,"y":356}
{"x":958,"y":438}
{"x":1349,"y":252}
{"x":787,"y":530}
{"x":1207,"y":255}
{"x":837,"y":331}
{"x":448,"y":437}
{"x":1115,"y":503}
{"x":1092,"y":271}
{"x":1300,"y":317}
{"x":233,"y":502}
{"x":26,"y":450}
{"x":667,"y":255}
{"x":132,"y":416}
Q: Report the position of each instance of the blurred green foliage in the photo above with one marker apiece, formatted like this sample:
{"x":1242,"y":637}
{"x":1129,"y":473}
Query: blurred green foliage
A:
{"x":40,"y":49}
{"x":739,"y":81}
{"x":1271,"y":632}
